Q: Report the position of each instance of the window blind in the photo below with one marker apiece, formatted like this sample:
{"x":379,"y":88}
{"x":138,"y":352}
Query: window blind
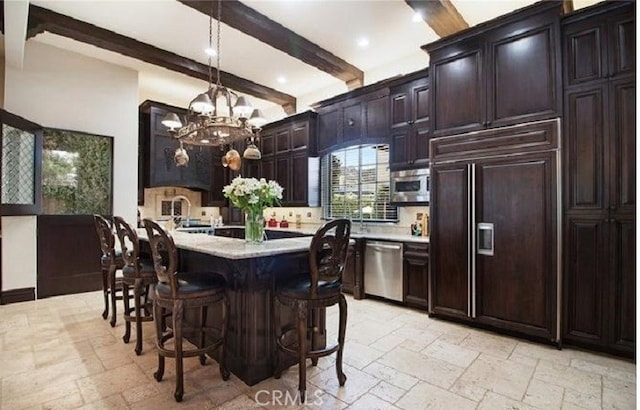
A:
{"x":355,"y":184}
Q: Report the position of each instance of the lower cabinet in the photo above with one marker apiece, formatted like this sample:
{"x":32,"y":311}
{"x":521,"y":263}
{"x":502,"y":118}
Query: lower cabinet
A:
{"x":415,"y":272}
{"x":352,"y":277}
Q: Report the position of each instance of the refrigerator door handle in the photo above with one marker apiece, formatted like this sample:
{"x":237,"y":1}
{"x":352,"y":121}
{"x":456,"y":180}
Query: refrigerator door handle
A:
{"x":473,"y":240}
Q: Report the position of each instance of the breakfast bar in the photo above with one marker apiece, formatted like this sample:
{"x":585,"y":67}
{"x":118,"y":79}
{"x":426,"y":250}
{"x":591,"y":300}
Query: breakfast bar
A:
{"x":251,"y":272}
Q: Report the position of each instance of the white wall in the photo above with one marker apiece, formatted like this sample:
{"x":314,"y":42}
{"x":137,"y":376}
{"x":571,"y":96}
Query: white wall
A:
{"x":61,"y":89}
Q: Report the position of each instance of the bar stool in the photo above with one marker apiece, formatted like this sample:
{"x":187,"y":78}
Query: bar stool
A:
{"x":321,"y":289}
{"x":176,"y":292}
{"x":110,"y":262}
{"x":138,"y":274}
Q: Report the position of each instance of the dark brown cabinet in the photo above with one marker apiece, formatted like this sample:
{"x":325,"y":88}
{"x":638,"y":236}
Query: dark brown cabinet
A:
{"x":288,"y":157}
{"x":409,"y":128}
{"x":485,"y":77}
{"x":158,"y":149}
{"x":352,"y":277}
{"x":349,"y":120}
{"x":219,"y":179}
{"x":494,"y":243}
{"x":415,"y":272}
{"x":599,"y":156}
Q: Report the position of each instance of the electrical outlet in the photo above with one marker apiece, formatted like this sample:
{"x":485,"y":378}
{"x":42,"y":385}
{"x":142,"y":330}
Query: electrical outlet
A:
{"x":203,"y":213}
{"x":290,"y":213}
{"x":308,"y":214}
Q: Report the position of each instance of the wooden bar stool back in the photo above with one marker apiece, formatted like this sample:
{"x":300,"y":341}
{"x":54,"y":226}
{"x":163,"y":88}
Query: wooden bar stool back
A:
{"x":176,"y":292}
{"x":110,"y":262}
{"x":138,"y":273}
{"x":321,"y":289}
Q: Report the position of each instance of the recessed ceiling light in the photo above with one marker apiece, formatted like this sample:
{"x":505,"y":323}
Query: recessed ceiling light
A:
{"x":210,"y":51}
{"x":281,"y":79}
{"x":417,"y":17}
{"x":363,"y":42}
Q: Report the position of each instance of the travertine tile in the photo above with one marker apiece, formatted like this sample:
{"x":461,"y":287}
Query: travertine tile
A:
{"x":568,"y":377}
{"x":493,"y":401}
{"x":450,"y":353}
{"x":468,"y":389}
{"x":615,"y":399}
{"x":544,"y":395}
{"x":32,"y":397}
{"x":358,"y":355}
{"x":357,"y":384}
{"x":59,"y":353}
{"x":501,"y":376}
{"x":371,"y":402}
{"x":427,"y":396}
{"x":487,"y":343}
{"x":59,"y":373}
{"x":387,"y":392}
{"x":425,"y":368}
{"x":111,"y":382}
{"x":392,"y":376}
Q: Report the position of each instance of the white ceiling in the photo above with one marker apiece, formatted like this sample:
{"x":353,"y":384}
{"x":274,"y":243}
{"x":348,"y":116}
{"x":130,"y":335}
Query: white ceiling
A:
{"x":335,"y":25}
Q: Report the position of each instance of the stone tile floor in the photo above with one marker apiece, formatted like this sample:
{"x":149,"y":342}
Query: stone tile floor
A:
{"x":58,"y":353}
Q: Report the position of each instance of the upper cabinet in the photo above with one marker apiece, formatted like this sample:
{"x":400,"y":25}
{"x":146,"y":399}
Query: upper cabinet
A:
{"x":409,"y":105}
{"x":503,"y":72}
{"x":358,"y":117}
{"x":600,"y":46}
{"x":288,"y":157}
{"x":157,"y":149}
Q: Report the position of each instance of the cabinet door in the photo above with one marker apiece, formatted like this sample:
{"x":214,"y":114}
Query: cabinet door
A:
{"x":516,"y":283}
{"x":377,"y":118}
{"x":282,"y":141}
{"x":398,"y":157}
{"x":268,"y":144}
{"x":327,"y":129}
{"x":449,"y":282}
{"x":622,"y":42}
{"x":584,"y":147}
{"x":352,"y":122}
{"x":400,"y":106}
{"x":299,"y":136}
{"x":416,"y":275}
{"x":299,"y":179}
{"x":268,"y":170}
{"x":349,"y":273}
{"x":219,"y":178}
{"x":163,"y":170}
{"x":585,"y":281}
{"x":584,"y":52}
{"x":518,"y":89}
{"x":420,"y":102}
{"x":283,"y":177}
{"x":622,"y":140}
{"x":458,"y":87}
{"x":622,"y":280}
{"x":419,"y":145}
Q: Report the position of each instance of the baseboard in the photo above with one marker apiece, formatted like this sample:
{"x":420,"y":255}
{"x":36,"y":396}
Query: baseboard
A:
{"x":17,"y":295}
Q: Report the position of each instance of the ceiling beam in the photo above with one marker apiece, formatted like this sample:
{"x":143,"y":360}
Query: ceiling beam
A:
{"x":567,"y":6}
{"x":441,"y":15}
{"x":41,"y":19}
{"x":15,"y":31}
{"x":259,"y":26}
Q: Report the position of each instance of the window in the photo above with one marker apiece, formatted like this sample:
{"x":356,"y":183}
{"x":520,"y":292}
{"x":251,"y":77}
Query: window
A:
{"x":355,"y":184}
{"x":76,"y":173}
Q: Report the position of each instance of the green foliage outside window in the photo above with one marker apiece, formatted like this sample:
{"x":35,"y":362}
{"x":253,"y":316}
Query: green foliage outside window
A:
{"x":76,"y":173}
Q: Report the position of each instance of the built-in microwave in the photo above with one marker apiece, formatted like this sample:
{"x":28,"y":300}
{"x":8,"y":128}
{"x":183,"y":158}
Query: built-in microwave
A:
{"x":410,"y":186}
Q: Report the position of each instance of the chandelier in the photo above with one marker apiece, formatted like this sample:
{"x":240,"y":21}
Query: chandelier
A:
{"x":217,"y":117}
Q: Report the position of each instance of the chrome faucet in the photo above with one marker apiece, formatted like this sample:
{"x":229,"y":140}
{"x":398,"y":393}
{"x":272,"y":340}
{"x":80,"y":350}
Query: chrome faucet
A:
{"x":181,"y":197}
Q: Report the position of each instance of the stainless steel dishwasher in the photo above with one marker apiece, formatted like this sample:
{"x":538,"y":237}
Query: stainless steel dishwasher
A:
{"x":383,"y":269}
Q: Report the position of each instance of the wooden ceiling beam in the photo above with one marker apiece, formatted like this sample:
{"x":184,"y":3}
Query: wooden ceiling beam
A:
{"x":441,"y":15}
{"x":41,"y":19}
{"x":259,"y":26}
{"x":567,"y":6}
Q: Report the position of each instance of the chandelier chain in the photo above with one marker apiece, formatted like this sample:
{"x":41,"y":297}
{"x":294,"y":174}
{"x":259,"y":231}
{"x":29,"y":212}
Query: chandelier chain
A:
{"x":218,"y":44}
{"x":210,"y":45}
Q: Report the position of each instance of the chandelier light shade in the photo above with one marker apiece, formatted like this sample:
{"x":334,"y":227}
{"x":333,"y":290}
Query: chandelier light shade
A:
{"x":216,"y":117}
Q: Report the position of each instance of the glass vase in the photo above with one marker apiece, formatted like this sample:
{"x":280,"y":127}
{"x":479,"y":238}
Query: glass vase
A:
{"x":254,"y":227}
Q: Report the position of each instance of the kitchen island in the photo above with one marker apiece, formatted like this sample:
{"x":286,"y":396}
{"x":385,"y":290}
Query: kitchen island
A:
{"x":252,"y":272}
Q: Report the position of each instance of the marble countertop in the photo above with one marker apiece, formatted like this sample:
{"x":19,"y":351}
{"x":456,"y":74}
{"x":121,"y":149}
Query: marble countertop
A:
{"x":231,"y":248}
{"x":388,"y":236}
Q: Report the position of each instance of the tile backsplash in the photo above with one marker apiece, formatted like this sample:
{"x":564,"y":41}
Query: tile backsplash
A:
{"x":154,"y":197}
